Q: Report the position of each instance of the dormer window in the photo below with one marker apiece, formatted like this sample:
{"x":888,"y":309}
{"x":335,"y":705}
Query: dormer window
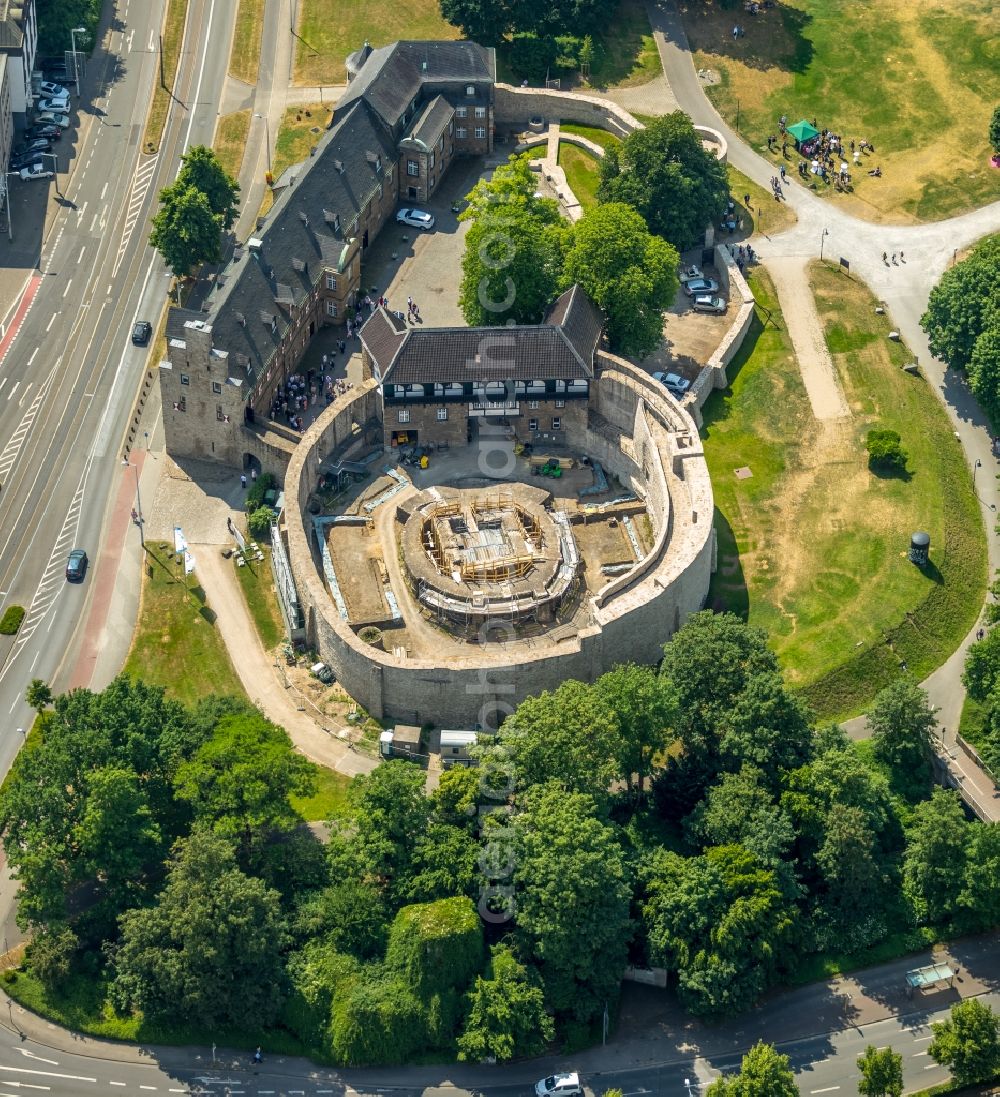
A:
{"x":470,"y":90}
{"x":378,"y":164}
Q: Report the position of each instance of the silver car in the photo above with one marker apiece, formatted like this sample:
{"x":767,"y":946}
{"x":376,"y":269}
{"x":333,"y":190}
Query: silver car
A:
{"x":697,"y":287}
{"x":709,"y":304}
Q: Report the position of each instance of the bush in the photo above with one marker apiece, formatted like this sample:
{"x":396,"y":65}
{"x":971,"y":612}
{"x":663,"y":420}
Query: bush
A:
{"x":377,"y":1021}
{"x":11,"y":620}
{"x":995,"y":132}
{"x":436,"y":947}
{"x":50,"y":956}
{"x":885,"y":451}
{"x":258,"y":489}
{"x":259,"y":522}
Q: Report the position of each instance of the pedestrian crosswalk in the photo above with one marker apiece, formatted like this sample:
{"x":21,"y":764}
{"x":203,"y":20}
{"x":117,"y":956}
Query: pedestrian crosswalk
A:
{"x":140,"y":185}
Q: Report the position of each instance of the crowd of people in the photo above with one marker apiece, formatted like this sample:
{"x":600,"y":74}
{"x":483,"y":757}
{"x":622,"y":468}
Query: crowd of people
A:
{"x":302,"y":391}
{"x":823,"y":156}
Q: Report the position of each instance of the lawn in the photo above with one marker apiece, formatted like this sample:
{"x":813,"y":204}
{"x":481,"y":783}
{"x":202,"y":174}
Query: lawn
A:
{"x":581,"y":169}
{"x":844,"y":608}
{"x":257,"y":583}
{"x":764,"y":214}
{"x":231,"y":140}
{"x":176,"y":644}
{"x":170,"y":44}
{"x":244,"y":58}
{"x":625,"y":55}
{"x":918,"y":80}
{"x":329,"y":30}
{"x":329,"y":799}
{"x":604,"y":138}
{"x":300,"y":129}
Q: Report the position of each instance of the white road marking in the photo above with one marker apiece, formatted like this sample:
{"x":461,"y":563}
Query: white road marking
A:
{"x":829,"y":1089}
{"x":52,"y":320}
{"x":31,"y":1055}
{"x":104,"y":191}
{"x":32,"y":671}
{"x":116,"y":1083}
{"x":12,"y":391}
{"x":923,"y":1039}
{"x":66,"y":290}
{"x":83,"y":250}
{"x":30,"y":360}
{"x":49,"y":1074}
{"x":147,"y":1087}
{"x":930,"y":1066}
{"x":3,"y":381}
{"x":24,"y":394}
{"x":140,"y":185}
{"x":80,"y":213}
{"x":919,"y":1054}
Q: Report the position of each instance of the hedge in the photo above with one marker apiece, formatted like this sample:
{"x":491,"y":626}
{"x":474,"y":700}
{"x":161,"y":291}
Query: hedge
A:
{"x":11,"y":620}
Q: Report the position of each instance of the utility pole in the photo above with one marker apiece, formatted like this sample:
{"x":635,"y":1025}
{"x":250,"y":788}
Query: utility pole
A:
{"x":163,"y":79}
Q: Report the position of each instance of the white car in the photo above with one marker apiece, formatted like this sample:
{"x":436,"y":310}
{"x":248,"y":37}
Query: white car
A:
{"x":56,"y":91}
{"x":674,"y":383}
{"x":60,"y":105}
{"x":53,"y":118}
{"x":36,"y":171}
{"x":416,"y":219}
{"x":698,"y":287}
{"x":709,"y":304}
{"x":559,"y":1085}
{"x":688,"y":274}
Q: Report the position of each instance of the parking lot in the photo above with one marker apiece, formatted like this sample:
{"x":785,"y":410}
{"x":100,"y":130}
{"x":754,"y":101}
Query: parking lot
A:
{"x":690,"y":338}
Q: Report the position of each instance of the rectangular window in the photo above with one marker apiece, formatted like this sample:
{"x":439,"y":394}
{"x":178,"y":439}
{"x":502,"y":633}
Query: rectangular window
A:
{"x":441,"y":141}
{"x":480,"y":133}
{"x":560,"y":403}
{"x":331,"y":281}
{"x":532,"y":405}
{"x":460,"y":133}
{"x":442,"y":414}
{"x":379,"y":192}
{"x":403,"y":415}
{"x":220,"y":414}
{"x":331,"y":308}
{"x":480,"y":112}
{"x":532,"y":424}
{"x":470,"y":90}
{"x":217,"y":388}
{"x":433,"y":159}
{"x":461,"y":112}
{"x":185,"y":380}
{"x":412,"y":167}
{"x":556,"y":423}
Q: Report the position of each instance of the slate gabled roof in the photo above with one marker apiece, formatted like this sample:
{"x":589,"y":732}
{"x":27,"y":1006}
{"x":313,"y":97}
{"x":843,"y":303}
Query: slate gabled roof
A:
{"x":382,"y":336}
{"x":430,"y":124}
{"x":580,"y":320}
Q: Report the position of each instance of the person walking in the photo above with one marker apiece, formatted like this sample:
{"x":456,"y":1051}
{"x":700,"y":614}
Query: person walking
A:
{"x":243,"y":481}
{"x":253,"y":475}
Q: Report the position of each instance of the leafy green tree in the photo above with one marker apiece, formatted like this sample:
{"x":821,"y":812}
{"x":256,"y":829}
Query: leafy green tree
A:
{"x":351,"y":917}
{"x":573,"y":891}
{"x":720,"y":921}
{"x":436,"y":946}
{"x":968,"y":1043}
{"x":50,"y":955}
{"x":962,"y":304}
{"x":56,"y":18}
{"x":571,"y":736}
{"x":484,"y":21}
{"x":885,"y":450}
{"x":901,"y":720}
{"x":664,"y":173}
{"x":936,"y":856}
{"x":763,"y":1073}
{"x":984,"y":365}
{"x":490,"y":21}
{"x":185,"y":230}
{"x":645,"y":706}
{"x":209,"y":951}
{"x":259,"y":522}
{"x":982,"y":666}
{"x":316,"y":973}
{"x":629,"y":273}
{"x":506,"y":1016}
{"x":38,"y":695}
{"x":445,"y":863}
{"x":201,"y":169}
{"x":995,"y":132}
{"x":881,"y":1072}
{"x":767,"y":728}
{"x":456,"y":799}
{"x":376,"y":1020}
{"x":853,"y":879}
{"x":239,"y":782}
{"x":980,"y":895}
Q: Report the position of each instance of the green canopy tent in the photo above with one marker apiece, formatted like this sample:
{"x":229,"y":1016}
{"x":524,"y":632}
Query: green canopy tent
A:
{"x":803,"y":131}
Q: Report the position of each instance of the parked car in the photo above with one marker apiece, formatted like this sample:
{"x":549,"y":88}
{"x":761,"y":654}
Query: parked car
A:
{"x":36,"y":144}
{"x":56,"y":91}
{"x":416,"y":219}
{"x":688,"y":274}
{"x":76,"y":565}
{"x":60,"y":104}
{"x":709,"y":304}
{"x":559,"y":1085}
{"x":29,"y":159}
{"x":36,"y":171}
{"x":673,"y":382}
{"x":52,"y":118}
{"x":46,"y":129}
{"x":697,"y":287}
{"x":141,"y":331}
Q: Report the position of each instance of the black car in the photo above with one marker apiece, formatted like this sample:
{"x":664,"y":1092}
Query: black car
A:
{"x":141,"y":331}
{"x":76,"y":565}
{"x":33,"y":146}
{"x":43,"y":129}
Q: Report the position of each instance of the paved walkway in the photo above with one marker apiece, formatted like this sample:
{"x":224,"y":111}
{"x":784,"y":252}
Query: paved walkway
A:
{"x":904,"y":287}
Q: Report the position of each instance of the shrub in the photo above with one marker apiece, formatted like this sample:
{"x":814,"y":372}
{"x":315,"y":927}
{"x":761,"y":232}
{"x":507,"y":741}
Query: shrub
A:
{"x":11,"y":620}
{"x":50,"y":955}
{"x":259,"y":522}
{"x":885,"y":451}
{"x":376,"y":1020}
{"x":258,"y":489}
{"x":995,"y":132}
{"x":436,"y":946}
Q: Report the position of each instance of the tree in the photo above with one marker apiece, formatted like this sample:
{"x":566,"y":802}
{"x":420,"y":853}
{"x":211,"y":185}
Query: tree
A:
{"x":513,"y":257}
{"x":38,"y":695}
{"x":445,"y":863}
{"x":349,"y":916}
{"x":259,"y":522}
{"x":209,"y":951}
{"x":853,"y":879}
{"x":980,"y":895}
{"x":570,"y":736}
{"x":506,"y":1015}
{"x":664,"y":173}
{"x":56,"y":18}
{"x":490,"y":21}
{"x":185,"y":230}
{"x":982,"y":667}
{"x":763,"y":1073}
{"x":645,"y":706}
{"x":483,"y":21}
{"x":885,"y":453}
{"x":934,"y":865}
{"x":573,"y":892}
{"x":201,"y":169}
{"x":629,"y":273}
{"x":436,"y":946}
{"x":901,"y":721}
{"x":766,"y":728}
{"x":881,"y":1072}
{"x":995,"y":133}
{"x":961,"y":305}
{"x":968,"y":1043}
{"x":984,"y":365}
{"x":50,"y":955}
{"x":239,"y":781}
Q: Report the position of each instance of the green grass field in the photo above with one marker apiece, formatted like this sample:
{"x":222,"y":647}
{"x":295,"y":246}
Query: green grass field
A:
{"x":581,"y":169}
{"x":328,"y":801}
{"x":257,"y":584}
{"x":625,"y":55}
{"x":604,"y":138}
{"x":844,"y":607}
{"x":170,"y":43}
{"x":918,"y":80}
{"x":231,"y":141}
{"x":176,"y":643}
{"x":244,"y":58}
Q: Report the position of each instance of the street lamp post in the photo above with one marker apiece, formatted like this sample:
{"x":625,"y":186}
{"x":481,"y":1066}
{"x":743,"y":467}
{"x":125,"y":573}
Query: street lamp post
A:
{"x":267,"y":139}
{"x":5,"y":198}
{"x":822,"y":241}
{"x":138,"y":502}
{"x":76,"y":69}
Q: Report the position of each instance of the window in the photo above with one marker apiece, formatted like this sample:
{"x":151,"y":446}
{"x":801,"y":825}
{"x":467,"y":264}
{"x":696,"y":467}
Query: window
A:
{"x":556,"y":423}
{"x":461,"y":112}
{"x":412,"y":167}
{"x":217,"y":388}
{"x":451,"y":130}
{"x":480,"y":133}
{"x":379,"y":192}
{"x":403,"y":415}
{"x":470,"y":90}
{"x":560,"y":403}
{"x":430,"y":183}
{"x":433,"y":158}
{"x":220,"y":414}
{"x":480,"y":112}
{"x":185,"y":380}
{"x":442,"y":414}
{"x":331,"y":308}
{"x":441,"y":141}
{"x":331,"y":281}
{"x":532,"y":424}
{"x":460,"y":132}
{"x":532,"y":405}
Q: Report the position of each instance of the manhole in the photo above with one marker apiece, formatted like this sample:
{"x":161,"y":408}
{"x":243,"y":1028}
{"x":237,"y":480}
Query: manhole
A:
{"x":743,"y":473}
